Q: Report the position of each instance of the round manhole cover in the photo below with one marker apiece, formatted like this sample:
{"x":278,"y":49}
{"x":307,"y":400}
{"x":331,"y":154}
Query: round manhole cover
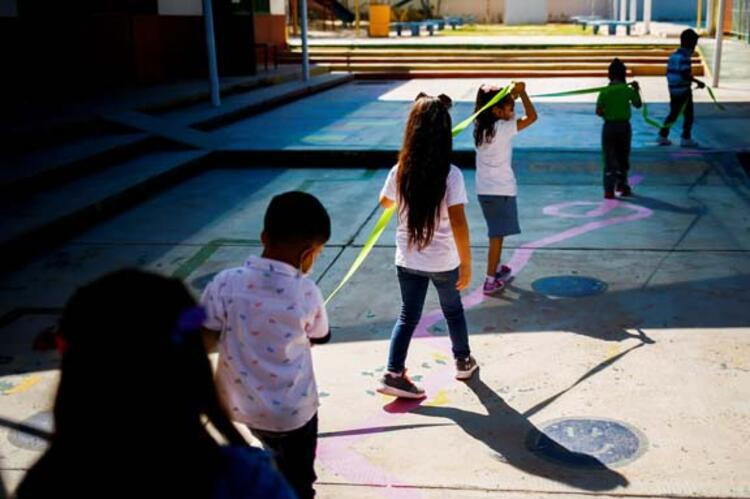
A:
{"x":569,"y":286}
{"x":41,"y":421}
{"x":583,"y":442}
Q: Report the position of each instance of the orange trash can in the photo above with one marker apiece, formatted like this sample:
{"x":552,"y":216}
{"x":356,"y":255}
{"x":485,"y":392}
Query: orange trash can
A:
{"x":380,"y":20}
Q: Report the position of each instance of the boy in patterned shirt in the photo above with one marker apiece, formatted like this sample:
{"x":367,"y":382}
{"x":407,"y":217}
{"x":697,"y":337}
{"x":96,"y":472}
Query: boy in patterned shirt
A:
{"x":265,"y":315}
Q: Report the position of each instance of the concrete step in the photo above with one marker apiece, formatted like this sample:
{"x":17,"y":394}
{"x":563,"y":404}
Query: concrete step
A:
{"x":44,"y":167}
{"x":479,"y":53}
{"x":33,"y":222}
{"x":120,"y":136}
{"x":205,"y":117}
{"x":407,"y":74}
{"x":527,"y":70}
{"x":385,"y":58}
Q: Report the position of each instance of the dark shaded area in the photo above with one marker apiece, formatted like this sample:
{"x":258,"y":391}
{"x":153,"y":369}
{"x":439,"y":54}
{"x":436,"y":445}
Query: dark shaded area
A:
{"x":58,"y":52}
{"x":744,"y":159}
{"x":505,"y":431}
{"x":611,"y":316}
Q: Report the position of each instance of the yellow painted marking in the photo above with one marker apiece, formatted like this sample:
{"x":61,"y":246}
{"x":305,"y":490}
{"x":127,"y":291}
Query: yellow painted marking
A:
{"x":440,"y":399}
{"x":24,"y":385}
{"x":613,"y":350}
{"x":440,"y":356}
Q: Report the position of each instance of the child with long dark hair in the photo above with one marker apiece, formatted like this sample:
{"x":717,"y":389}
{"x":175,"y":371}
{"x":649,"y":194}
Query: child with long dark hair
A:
{"x":432,"y":238}
{"x":494,"y":130}
{"x":136,"y":391}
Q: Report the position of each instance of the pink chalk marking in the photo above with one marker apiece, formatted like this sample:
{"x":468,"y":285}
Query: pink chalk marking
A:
{"x":335,"y":452}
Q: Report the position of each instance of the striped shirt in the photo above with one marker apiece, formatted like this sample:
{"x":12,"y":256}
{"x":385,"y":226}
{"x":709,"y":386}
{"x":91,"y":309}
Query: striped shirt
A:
{"x":678,"y":68}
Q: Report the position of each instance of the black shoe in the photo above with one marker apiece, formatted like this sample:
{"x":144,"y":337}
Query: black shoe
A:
{"x":399,"y":385}
{"x":625,"y":190}
{"x":465,"y":367}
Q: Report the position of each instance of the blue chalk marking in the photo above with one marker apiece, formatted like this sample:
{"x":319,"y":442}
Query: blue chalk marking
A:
{"x":569,"y":286}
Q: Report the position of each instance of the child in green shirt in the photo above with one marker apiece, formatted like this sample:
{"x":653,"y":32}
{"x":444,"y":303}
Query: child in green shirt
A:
{"x":613,"y":105}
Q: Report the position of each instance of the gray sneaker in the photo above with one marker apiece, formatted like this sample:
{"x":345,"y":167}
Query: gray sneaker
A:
{"x":399,"y":385}
{"x":465,"y":367}
{"x":688,"y":143}
{"x":663,"y":141}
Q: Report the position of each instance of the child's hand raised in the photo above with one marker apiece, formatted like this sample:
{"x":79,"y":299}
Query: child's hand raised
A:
{"x":635,"y":86}
{"x":519,"y":87}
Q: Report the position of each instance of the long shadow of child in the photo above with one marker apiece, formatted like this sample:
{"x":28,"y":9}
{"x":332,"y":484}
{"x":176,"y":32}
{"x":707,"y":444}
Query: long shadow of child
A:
{"x":506,"y":431}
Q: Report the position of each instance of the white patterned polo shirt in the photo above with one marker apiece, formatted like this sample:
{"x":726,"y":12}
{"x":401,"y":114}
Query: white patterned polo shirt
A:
{"x":267,"y":313}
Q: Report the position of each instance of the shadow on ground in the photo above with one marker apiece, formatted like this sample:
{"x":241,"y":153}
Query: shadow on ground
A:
{"x":506,"y":432}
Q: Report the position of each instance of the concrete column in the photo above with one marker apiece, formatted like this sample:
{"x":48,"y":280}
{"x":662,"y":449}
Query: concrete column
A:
{"x":710,"y":10}
{"x":647,"y":17}
{"x":305,"y":54}
{"x":719,"y":41}
{"x":356,"y":17}
{"x":213,"y":69}
{"x":633,"y":10}
{"x":623,"y":10}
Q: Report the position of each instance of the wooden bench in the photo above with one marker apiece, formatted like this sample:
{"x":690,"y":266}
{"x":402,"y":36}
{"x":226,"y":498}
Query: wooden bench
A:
{"x":454,"y":21}
{"x":611,"y":25}
{"x":583,"y":21}
{"x":415,"y":27}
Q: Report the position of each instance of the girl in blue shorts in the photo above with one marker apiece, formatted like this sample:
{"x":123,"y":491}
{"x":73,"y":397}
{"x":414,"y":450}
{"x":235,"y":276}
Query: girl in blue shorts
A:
{"x":494,"y":130}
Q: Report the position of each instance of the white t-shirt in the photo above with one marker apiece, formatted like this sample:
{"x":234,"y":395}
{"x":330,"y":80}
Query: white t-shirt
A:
{"x":441,"y":254}
{"x":494,"y":172}
{"x":266,"y":312}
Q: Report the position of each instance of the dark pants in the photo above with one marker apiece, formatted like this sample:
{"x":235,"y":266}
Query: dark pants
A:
{"x":413,"y":284}
{"x":676,"y":102}
{"x":616,"y":137}
{"x":294,"y":453}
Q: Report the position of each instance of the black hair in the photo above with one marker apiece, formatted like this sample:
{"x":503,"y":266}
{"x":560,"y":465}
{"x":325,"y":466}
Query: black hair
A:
{"x":423,"y":166}
{"x":296,"y":217}
{"x":689,"y":39}
{"x":617,"y":70}
{"x":135,"y":386}
{"x":484,"y":124}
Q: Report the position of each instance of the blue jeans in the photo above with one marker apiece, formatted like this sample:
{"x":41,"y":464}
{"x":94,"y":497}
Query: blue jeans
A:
{"x":413,"y":284}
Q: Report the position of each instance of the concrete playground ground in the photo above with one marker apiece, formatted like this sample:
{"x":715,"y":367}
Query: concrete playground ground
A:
{"x":625,"y":334}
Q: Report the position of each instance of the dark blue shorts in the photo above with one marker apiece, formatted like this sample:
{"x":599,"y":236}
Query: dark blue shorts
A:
{"x":501,"y":215}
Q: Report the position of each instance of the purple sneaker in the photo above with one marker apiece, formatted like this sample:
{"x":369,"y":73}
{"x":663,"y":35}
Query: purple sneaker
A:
{"x":503,"y":273}
{"x":493,"y":287}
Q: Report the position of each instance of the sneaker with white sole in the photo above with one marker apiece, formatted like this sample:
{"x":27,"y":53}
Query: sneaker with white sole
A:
{"x":663,"y":141}
{"x":465,"y":367}
{"x":493,"y":286}
{"x":399,"y":385}
{"x":688,"y":143}
{"x":503,"y":273}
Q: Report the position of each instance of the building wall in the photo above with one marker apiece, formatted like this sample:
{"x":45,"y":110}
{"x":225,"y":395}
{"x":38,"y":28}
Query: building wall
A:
{"x":8,"y":8}
{"x":476,"y":8}
{"x":671,"y":10}
{"x":526,"y":12}
{"x":180,"y":7}
{"x":662,"y":10}
{"x":278,"y":7}
{"x":564,"y":9}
